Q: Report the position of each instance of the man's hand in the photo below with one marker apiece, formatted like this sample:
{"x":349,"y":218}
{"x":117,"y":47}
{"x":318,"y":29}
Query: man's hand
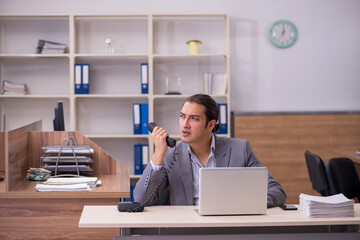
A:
{"x":159,"y":137}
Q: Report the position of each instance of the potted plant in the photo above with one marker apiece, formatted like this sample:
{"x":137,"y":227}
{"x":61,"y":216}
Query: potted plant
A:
{"x":194,"y":46}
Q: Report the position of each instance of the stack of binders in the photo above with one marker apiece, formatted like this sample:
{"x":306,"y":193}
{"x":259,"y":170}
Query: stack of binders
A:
{"x":82,"y":78}
{"x":140,"y":117}
{"x":333,"y":206}
{"x":47,"y":47}
{"x":9,"y":88}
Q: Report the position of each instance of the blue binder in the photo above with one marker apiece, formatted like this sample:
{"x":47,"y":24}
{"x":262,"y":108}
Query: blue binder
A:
{"x":223,"y":121}
{"x":138,"y":163}
{"x":145,"y":155}
{"x":85,"y":84}
{"x":136,"y":118}
{"x":144,"y":117}
{"x":77,"y":78}
{"x":144,"y":69}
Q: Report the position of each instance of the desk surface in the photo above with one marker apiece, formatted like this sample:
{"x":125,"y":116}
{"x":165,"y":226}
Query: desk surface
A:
{"x":349,"y":152}
{"x":185,"y":216}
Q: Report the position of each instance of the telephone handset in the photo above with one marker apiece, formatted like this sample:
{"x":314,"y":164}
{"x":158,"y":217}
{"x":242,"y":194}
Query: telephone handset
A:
{"x":170,"y":142}
{"x":139,"y":207}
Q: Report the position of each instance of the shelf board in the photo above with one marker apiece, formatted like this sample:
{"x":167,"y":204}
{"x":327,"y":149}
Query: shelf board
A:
{"x":188,"y":15}
{"x":116,"y":55}
{"x":181,"y":96}
{"x":30,"y":55}
{"x":134,"y":136}
{"x":111,"y":95}
{"x":190,"y":55}
{"x":34,"y":96}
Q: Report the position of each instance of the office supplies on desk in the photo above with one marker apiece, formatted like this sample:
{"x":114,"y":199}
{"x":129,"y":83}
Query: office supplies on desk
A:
{"x":331,"y":206}
{"x":233,"y":191}
{"x":63,"y":188}
{"x":67,"y":161}
{"x":91,"y":181}
{"x":38,"y":174}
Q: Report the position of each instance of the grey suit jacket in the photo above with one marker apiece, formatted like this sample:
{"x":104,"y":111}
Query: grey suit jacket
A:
{"x":177,"y":173}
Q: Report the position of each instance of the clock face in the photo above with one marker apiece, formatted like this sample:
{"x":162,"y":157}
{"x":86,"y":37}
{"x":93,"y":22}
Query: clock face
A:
{"x":283,"y":34}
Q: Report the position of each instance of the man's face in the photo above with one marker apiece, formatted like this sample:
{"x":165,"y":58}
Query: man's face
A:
{"x":193,"y":122}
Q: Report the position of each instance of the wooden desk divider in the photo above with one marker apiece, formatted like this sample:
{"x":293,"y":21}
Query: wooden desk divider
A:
{"x":22,"y":150}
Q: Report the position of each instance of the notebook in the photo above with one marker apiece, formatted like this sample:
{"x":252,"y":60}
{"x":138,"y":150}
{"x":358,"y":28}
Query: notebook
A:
{"x":233,"y":191}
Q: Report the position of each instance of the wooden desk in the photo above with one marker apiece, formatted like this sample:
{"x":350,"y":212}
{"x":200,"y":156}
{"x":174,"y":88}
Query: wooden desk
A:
{"x":28,"y":214}
{"x":186,"y":218}
{"x":349,"y":152}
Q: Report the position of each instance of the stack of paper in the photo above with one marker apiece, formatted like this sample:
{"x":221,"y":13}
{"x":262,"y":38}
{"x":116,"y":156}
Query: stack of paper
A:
{"x":91,"y":181}
{"x":13,"y":88}
{"x":332,"y":206}
{"x":48,"y":47}
{"x":68,"y":184}
{"x":63,"y":188}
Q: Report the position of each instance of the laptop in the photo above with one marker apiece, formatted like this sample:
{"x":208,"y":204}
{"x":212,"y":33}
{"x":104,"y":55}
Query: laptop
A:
{"x":233,"y":191}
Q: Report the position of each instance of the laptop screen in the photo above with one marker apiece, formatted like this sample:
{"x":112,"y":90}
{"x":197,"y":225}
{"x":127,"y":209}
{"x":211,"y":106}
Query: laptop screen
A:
{"x":233,"y":191}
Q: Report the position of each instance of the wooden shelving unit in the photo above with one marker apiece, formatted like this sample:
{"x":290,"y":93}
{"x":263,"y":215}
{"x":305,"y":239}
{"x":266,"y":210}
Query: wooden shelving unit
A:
{"x":105,"y":115}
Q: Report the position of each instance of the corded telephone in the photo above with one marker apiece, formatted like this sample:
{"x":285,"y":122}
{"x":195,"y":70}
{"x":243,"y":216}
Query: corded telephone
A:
{"x":139,"y":207}
{"x":170,"y":142}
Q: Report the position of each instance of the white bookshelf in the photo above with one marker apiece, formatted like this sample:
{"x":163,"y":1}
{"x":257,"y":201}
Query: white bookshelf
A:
{"x":105,"y":115}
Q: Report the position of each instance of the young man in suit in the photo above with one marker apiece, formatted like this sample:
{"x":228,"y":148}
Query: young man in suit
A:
{"x":178,"y":168}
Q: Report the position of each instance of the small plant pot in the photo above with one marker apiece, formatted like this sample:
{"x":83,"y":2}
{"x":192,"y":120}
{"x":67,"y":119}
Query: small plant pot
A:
{"x":193,"y":46}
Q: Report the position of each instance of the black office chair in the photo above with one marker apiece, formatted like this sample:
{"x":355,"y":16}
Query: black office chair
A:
{"x":317,"y":174}
{"x":343,"y":177}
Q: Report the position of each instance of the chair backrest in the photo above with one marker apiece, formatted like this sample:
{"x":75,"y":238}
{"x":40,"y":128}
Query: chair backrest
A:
{"x":317,"y":174}
{"x":343,"y":177}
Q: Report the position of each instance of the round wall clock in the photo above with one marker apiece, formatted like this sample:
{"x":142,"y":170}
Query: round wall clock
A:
{"x":283,"y":33}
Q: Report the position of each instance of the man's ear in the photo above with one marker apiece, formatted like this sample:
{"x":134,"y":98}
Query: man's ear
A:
{"x":211,"y":125}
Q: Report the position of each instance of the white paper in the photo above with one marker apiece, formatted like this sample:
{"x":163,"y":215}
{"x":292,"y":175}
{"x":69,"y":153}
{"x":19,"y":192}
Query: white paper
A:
{"x":68,"y":180}
{"x":62,"y":188}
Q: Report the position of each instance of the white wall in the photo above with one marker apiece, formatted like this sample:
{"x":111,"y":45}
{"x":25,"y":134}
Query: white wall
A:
{"x":321,"y":72}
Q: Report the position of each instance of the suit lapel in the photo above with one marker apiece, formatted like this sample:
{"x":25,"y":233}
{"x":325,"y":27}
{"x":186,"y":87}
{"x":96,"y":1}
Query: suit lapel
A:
{"x":222,"y":153}
{"x":185,"y":171}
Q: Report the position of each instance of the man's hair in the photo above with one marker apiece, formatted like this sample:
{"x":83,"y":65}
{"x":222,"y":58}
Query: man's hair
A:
{"x":211,"y":108}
